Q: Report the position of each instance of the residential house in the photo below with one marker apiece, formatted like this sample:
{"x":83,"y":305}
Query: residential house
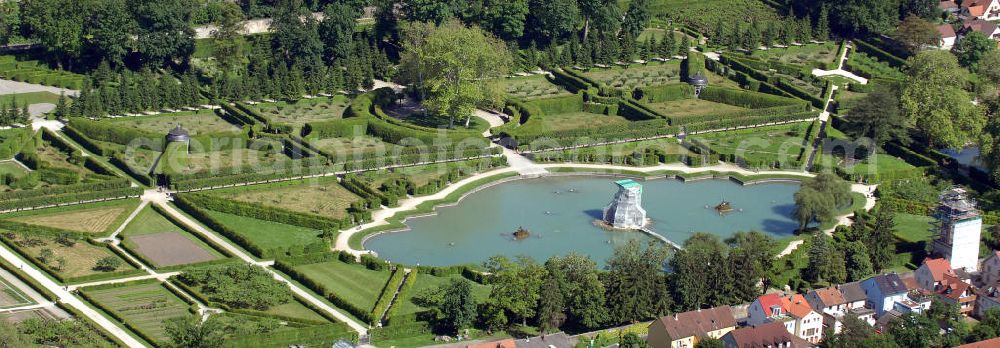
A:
{"x":853,"y":294}
{"x":991,"y":269}
{"x":986,"y":298}
{"x":931,"y":273}
{"x":828,"y":300}
{"x":916,"y":301}
{"x":557,"y":340}
{"x":507,"y":343}
{"x":949,"y":6}
{"x":991,"y":30}
{"x":980,"y":9}
{"x":953,"y":290}
{"x":793,"y":311}
{"x":990,"y":343}
{"x":948,"y":36}
{"x":684,"y":330}
{"x":770,"y":335}
{"x":883,"y":291}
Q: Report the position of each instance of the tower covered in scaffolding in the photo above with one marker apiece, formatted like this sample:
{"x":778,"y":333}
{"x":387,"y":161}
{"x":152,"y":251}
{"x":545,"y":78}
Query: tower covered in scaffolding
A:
{"x":625,"y":211}
{"x":959,"y":228}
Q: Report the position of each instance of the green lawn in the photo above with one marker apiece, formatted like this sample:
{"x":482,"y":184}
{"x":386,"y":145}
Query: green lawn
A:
{"x":150,"y":221}
{"x":677,"y":109}
{"x":658,"y":34}
{"x":31,"y":98}
{"x":303,"y":111}
{"x":913,"y":228}
{"x":352,"y":282}
{"x":13,"y":169}
{"x":781,"y":143}
{"x":295,"y":309}
{"x":801,"y":55}
{"x":322,"y":196}
{"x":531,"y":87}
{"x":637,"y":75}
{"x":426,"y":282}
{"x":576,"y":120}
{"x":881,"y":165}
{"x":196,"y":122}
{"x":267,"y":233}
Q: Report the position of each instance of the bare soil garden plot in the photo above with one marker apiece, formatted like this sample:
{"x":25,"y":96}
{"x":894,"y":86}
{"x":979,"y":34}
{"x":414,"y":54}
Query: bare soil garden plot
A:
{"x":303,"y":111}
{"x":676,"y":109}
{"x":161,"y":242}
{"x":532,"y":87}
{"x":145,"y":307}
{"x":97,"y":218}
{"x":170,"y":249}
{"x":324,"y":197}
{"x":196,"y":122}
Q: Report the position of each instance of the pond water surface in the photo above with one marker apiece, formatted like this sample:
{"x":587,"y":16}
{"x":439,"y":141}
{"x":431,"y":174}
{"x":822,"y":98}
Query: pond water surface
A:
{"x":559,"y":213}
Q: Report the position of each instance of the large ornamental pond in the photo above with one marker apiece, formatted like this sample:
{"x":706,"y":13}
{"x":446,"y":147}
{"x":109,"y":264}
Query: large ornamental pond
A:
{"x":559,"y":213}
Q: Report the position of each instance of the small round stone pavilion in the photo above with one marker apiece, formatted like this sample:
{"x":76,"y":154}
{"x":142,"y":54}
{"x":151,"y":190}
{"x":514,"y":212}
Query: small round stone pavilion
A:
{"x":699,"y":81}
{"x":178,"y":135}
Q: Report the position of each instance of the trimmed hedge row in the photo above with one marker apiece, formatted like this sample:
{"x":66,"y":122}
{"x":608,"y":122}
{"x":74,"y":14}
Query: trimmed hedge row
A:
{"x":388,"y":293}
{"x":275,"y":214}
{"x":289,"y":269}
{"x":880,"y":54}
{"x":84,"y":292}
{"x":746,"y":99}
{"x":748,"y":121}
{"x":312,"y":336}
{"x":694,"y":63}
{"x":663,"y":93}
{"x":54,"y":273}
{"x":737,"y":115}
{"x":345,"y":127}
{"x":85,"y":141}
{"x":411,"y":278}
{"x":104,"y":131}
{"x":558,"y":105}
{"x":55,"y":195}
{"x":409,"y":329}
{"x":259,"y":251}
{"x":13,"y":140}
{"x":572,"y":81}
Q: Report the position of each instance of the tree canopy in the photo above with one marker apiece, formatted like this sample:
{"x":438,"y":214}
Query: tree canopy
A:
{"x":454,"y":77}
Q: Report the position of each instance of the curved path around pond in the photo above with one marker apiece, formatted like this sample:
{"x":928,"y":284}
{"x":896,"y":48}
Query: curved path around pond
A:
{"x":380,"y":217}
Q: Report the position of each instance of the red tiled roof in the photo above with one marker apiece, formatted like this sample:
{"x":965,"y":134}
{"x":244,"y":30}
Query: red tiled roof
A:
{"x":830,"y":296}
{"x":946,"y":30}
{"x":698,"y":322}
{"x":767,"y":335}
{"x":507,"y":343}
{"x":976,"y":7}
{"x":944,"y":5}
{"x":768,"y":301}
{"x":990,"y":343}
{"x":939,"y":268}
{"x":952,"y":287}
{"x":796,"y":305}
{"x":980,"y":26}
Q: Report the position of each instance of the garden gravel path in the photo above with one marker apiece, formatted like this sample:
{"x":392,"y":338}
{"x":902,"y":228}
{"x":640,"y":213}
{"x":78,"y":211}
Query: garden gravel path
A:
{"x":69,"y":299}
{"x":14,"y":87}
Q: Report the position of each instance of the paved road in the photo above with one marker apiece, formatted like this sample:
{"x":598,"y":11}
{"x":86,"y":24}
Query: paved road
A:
{"x":68,"y":298}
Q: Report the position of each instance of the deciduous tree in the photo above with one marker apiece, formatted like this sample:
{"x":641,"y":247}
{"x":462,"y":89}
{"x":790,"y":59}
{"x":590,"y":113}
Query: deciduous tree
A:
{"x":455,"y":78}
{"x":933,"y":99}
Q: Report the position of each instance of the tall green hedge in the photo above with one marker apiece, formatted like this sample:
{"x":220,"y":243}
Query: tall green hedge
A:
{"x":663,"y":93}
{"x":746,"y":99}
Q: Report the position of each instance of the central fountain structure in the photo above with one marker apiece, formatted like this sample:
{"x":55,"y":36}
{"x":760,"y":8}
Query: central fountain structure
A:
{"x":625,"y":211}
